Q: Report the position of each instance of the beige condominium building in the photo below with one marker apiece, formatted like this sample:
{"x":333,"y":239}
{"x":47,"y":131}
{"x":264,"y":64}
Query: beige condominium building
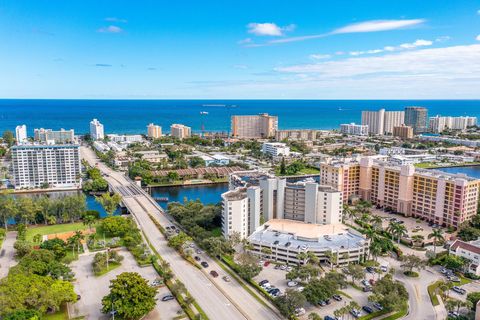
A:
{"x":382,"y":122}
{"x":297,"y":134}
{"x":180,"y":131}
{"x":403,"y":132}
{"x":254,"y":126}
{"x":443,"y":198}
{"x":343,"y":176}
{"x":154,"y":131}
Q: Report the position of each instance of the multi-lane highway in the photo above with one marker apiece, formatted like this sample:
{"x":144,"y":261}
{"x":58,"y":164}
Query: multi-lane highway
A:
{"x":219,"y":300}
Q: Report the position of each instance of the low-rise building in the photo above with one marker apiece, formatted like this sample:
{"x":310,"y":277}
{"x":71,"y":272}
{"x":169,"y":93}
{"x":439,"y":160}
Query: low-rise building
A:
{"x":216,"y":159}
{"x":283,"y":240}
{"x":403,"y":132}
{"x":276,"y":149}
{"x":125,"y":138}
{"x":298,"y":134}
{"x":470,"y":251}
{"x":152,"y":156}
{"x":354,"y":129}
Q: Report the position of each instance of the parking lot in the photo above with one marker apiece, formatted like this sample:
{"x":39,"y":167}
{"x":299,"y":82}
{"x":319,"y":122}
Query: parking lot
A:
{"x":276,"y":278}
{"x":92,"y":289}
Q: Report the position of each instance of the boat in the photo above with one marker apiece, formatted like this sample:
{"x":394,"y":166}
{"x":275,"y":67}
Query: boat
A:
{"x":203,"y":112}
{"x":160,"y":199}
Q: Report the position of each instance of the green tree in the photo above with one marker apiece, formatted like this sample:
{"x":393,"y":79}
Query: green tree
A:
{"x":117,"y":226}
{"x":391,"y":294}
{"x":57,"y":246}
{"x":8,"y":137}
{"x":355,"y":271}
{"x":196,"y":162}
{"x":314,"y":316}
{"x":109,"y":202}
{"x":248,"y":265}
{"x":411,"y":261}
{"x":8,"y":209}
{"x":22,"y":248}
{"x":437,"y":236}
{"x":283,"y":168}
{"x":473,"y":297}
{"x":130,"y":296}
{"x":179,"y":240}
{"x":23,"y":315}
{"x":397,"y":230}
{"x":89,"y":220}
{"x":290,"y":301}
{"x":454,"y":262}
{"x":319,"y":289}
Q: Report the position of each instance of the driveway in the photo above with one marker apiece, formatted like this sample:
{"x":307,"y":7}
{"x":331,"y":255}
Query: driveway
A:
{"x":7,"y":253}
{"x":92,"y":289}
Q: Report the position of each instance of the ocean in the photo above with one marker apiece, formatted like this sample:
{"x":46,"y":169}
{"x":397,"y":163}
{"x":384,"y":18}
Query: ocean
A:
{"x":132,"y":116}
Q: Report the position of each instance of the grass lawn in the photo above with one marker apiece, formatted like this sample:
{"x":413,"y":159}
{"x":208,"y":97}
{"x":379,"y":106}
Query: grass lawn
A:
{"x":398,"y":315}
{"x":464,"y":280}
{"x":111,"y":266}
{"x":217,"y":232}
{"x":432,"y":292}
{"x":374,"y":315}
{"x":59,"y":315}
{"x":56,"y":228}
{"x":309,"y":171}
{"x":426,"y":165}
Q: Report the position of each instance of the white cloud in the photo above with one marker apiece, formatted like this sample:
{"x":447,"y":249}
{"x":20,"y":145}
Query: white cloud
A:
{"x":418,"y":43}
{"x":366,"y":26}
{"x":378,"y":25}
{"x":245,"y":41}
{"x":478,"y":12}
{"x":268,"y":29}
{"x":478,"y":38}
{"x":319,"y":56}
{"x":403,"y":46}
{"x":110,"y":29}
{"x":442,"y":39}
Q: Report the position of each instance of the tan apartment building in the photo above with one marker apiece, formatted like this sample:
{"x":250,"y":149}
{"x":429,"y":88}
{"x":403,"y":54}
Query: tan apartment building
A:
{"x":403,"y":132}
{"x":443,"y":198}
{"x":254,"y":126}
{"x":154,"y":131}
{"x":180,"y":131}
{"x":301,"y":134}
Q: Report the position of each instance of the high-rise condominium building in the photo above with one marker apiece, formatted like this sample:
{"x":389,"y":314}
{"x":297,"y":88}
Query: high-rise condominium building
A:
{"x":251,"y":127}
{"x":417,"y":118}
{"x":154,"y":131}
{"x":274,"y":198}
{"x":21,"y":134}
{"x":443,"y":198}
{"x":354,"y":129}
{"x":96,"y":130}
{"x":403,"y":132}
{"x":180,"y":131}
{"x":36,"y":166}
{"x":438,"y":124}
{"x":54,"y":137}
{"x":381,"y":121}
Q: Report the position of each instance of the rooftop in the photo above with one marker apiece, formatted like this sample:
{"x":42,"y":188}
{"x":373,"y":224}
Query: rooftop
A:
{"x":315,"y":236}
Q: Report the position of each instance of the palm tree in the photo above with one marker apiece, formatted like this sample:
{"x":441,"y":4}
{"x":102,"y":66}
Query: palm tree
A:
{"x":376,"y":249}
{"x":397,"y":229}
{"x":436,"y":235}
{"x":376,"y":221}
{"x":418,"y":238}
{"x":347,"y":211}
{"x":89,"y":221}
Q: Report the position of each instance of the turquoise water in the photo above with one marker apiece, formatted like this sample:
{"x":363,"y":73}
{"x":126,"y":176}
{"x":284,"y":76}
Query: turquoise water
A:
{"x":471,"y":171}
{"x":132,"y":116}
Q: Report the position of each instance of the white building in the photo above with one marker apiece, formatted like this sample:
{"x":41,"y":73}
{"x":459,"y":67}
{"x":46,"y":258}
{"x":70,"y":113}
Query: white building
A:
{"x":470,"y":251}
{"x":382,"y":122}
{"x":55,"y":166}
{"x":276,"y":149}
{"x":50,"y":136}
{"x":154,"y":131}
{"x":180,"y":131}
{"x":21,"y":134}
{"x":125,"y":138}
{"x":303,"y":201}
{"x":437,"y":124}
{"x":393,"y":151}
{"x":96,"y":130}
{"x":354,"y":129}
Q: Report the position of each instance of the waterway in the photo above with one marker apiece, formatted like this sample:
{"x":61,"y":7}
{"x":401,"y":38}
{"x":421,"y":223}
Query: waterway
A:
{"x":207,"y":193}
{"x":471,"y":171}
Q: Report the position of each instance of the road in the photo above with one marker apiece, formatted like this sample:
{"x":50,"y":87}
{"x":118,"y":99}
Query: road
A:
{"x":219,"y":300}
{"x":7,"y":253}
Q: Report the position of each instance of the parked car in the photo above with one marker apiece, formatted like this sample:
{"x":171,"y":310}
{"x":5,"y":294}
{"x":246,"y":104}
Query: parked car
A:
{"x":371,"y":281}
{"x":283,"y":267}
{"x":300,"y":289}
{"x":377,"y":306}
{"x":355,"y":313}
{"x":453,"y":314}
{"x":367,"y":289}
{"x":292,"y":283}
{"x":204,"y":264}
{"x":370,"y":269}
{"x":299,"y":312}
{"x":337,"y":297}
{"x":214,"y":273}
{"x":197,"y":258}
{"x":459,"y":290}
{"x":168,"y":297}
{"x":261,"y":283}
{"x":266,"y":264}
{"x":277,"y":266}
{"x":327,"y":301}
{"x":365,"y":282}
{"x":329,"y":318}
{"x":454,"y":279}
{"x":289,"y":269}
{"x":322,"y":303}
{"x":384,"y":268}
{"x":367,"y":309}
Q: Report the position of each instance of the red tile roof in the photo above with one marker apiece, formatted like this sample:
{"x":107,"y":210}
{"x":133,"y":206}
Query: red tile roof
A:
{"x":465,"y":246}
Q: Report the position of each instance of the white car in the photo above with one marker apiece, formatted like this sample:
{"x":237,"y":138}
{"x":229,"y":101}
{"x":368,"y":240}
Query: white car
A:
{"x":299,"y":312}
{"x":289,"y":268}
{"x":365,"y":282}
{"x":266,"y":285}
{"x":292,"y":283}
{"x":283,"y":267}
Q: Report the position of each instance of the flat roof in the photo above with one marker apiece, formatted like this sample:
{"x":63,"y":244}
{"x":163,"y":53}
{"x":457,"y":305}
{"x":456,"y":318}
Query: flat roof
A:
{"x":330,"y":236}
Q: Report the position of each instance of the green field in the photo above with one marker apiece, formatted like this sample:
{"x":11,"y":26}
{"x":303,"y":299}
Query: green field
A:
{"x":111,"y":266}
{"x":56,"y":228}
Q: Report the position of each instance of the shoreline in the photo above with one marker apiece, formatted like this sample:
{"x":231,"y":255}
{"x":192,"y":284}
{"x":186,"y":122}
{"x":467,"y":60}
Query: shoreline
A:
{"x":453,"y":166}
{"x":185,"y":184}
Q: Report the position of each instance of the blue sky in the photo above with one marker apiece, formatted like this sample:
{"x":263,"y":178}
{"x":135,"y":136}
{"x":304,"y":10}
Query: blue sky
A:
{"x":240,"y":49}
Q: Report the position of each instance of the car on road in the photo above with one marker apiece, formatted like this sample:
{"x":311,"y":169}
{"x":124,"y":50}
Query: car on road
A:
{"x":226,"y":278}
{"x":214,"y":273}
{"x":367,"y":309}
{"x":337,"y":297}
{"x":197,"y":258}
{"x":459,"y":290}
{"x":168,"y":297}
{"x":292,"y":283}
{"x":378,"y":306}
{"x":204,"y":264}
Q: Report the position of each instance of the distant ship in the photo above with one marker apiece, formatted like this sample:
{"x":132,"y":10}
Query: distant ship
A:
{"x":203,"y":112}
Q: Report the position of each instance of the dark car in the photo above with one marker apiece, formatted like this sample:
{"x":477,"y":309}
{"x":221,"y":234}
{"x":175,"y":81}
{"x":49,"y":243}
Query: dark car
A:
{"x":378,"y":306}
{"x":168,"y":298}
{"x":367,"y":309}
{"x":327,"y":301}
{"x":329,"y":318}
{"x":204,"y":264}
{"x":370,"y":269}
{"x":79,"y":297}
{"x":367,"y":289}
{"x":197,"y":258}
{"x":261,"y":283}
{"x":337,"y":297}
{"x":214,"y":273}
